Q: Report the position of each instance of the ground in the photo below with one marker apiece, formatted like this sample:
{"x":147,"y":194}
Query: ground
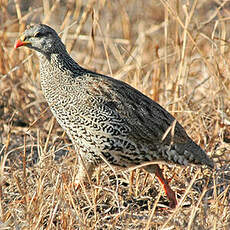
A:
{"x":177,"y":53}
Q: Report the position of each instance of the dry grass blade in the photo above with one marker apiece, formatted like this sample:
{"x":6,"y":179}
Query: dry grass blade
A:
{"x":148,"y":225}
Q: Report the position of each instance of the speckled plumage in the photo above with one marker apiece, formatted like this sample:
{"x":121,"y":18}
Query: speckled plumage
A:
{"x":104,"y":116}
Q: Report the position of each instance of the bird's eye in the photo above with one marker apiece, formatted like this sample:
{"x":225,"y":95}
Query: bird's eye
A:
{"x":37,"y":35}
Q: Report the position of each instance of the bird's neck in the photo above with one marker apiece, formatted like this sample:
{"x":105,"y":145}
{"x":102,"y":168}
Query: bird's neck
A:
{"x":57,"y":70}
{"x":58,"y":62}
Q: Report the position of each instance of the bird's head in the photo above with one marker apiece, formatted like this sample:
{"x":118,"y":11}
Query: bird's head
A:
{"x":41,"y":38}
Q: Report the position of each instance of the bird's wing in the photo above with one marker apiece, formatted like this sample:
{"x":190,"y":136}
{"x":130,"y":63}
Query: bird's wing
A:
{"x":134,"y":113}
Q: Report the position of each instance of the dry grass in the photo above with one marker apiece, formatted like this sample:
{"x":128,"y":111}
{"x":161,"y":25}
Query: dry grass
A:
{"x":176,"y":54}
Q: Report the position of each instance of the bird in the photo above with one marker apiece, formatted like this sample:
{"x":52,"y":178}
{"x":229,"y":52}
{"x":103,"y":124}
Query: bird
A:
{"x":108,"y":120}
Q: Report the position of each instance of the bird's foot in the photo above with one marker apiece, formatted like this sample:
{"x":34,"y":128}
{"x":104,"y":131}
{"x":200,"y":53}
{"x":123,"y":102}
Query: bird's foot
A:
{"x":171,"y":195}
{"x":168,"y":191}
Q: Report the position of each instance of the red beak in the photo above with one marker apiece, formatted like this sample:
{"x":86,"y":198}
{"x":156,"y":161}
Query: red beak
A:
{"x":20,"y":43}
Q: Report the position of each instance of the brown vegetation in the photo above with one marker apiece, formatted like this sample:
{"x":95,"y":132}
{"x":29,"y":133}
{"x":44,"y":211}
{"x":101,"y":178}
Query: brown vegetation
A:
{"x":177,"y":54}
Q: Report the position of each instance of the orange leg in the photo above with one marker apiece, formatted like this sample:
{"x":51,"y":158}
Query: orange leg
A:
{"x":168,"y":191}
